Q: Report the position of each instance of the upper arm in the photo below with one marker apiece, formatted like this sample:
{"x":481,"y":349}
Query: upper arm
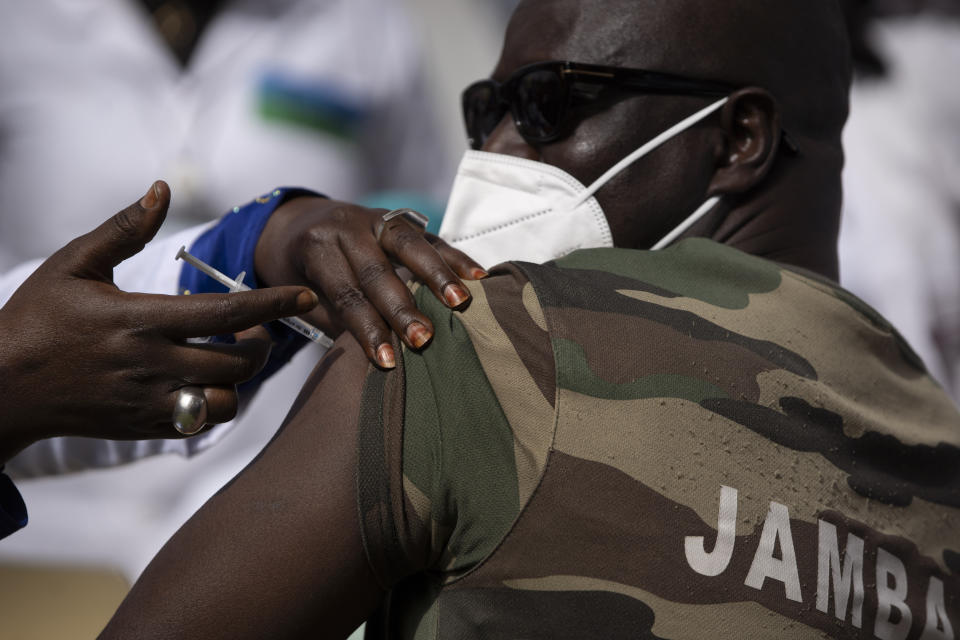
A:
{"x":447,"y":470}
{"x":277,"y":552}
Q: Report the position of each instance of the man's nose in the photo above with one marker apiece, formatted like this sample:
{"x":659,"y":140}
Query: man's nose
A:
{"x":507,"y":140}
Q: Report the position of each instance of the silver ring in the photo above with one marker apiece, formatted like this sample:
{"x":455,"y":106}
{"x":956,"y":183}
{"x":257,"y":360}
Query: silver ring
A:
{"x":413,"y":217}
{"x":190,"y":411}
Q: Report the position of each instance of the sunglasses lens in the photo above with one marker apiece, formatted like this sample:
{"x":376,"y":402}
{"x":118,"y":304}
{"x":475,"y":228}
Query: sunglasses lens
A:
{"x":537,"y":99}
{"x":482,"y":111}
{"x":540,"y":99}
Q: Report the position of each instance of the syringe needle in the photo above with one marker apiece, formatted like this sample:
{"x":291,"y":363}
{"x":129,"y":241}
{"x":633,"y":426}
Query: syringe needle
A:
{"x":219,"y":276}
{"x":303,"y":328}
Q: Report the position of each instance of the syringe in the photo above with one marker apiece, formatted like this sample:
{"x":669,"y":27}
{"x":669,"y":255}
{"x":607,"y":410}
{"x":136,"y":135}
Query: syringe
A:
{"x":303,"y":328}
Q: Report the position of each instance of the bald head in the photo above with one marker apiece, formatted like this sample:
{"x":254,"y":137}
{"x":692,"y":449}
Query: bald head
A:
{"x":796,"y":49}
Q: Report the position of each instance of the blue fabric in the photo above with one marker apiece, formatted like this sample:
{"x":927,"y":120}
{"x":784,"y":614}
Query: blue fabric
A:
{"x":13,"y":512}
{"x":229,"y":247}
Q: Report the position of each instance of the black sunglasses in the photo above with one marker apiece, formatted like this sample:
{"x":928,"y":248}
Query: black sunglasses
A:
{"x":539,"y":95}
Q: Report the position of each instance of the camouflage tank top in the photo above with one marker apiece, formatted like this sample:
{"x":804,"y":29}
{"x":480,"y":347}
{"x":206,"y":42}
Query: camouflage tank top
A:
{"x":693,"y":443}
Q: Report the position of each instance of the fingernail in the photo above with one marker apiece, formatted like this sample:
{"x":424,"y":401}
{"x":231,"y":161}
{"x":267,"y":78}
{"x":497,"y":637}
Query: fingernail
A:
{"x":307,"y":300}
{"x":417,"y":335}
{"x":455,"y":295}
{"x":149,"y":200}
{"x":386,"y":357}
{"x":478,"y":274}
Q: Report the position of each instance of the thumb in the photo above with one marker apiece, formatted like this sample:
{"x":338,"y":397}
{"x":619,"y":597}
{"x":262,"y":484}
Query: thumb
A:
{"x":123,"y":235}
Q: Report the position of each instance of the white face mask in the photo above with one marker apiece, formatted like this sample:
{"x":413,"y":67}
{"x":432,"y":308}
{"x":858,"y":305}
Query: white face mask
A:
{"x":508,"y":208}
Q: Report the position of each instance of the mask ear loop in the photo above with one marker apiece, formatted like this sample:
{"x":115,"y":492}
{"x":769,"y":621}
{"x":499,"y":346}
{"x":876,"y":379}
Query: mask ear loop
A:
{"x":686,"y":224}
{"x":680,"y":127}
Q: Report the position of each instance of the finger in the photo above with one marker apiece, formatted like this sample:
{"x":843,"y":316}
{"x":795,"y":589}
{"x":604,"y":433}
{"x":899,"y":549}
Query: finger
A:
{"x":216,"y":363}
{"x":408,"y":246}
{"x":464,"y":266}
{"x":222,"y":403}
{"x":255,"y":334}
{"x":208,"y":314}
{"x":387,"y":292}
{"x":341,"y":288}
{"x":123,"y":235}
{"x":325,"y":317}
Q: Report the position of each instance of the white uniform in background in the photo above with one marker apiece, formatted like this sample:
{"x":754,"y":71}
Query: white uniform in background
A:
{"x":900,"y":235}
{"x":326,"y":94}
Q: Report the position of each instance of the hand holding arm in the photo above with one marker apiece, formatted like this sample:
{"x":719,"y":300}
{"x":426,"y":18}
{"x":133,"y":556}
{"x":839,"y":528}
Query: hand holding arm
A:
{"x":333,"y":247}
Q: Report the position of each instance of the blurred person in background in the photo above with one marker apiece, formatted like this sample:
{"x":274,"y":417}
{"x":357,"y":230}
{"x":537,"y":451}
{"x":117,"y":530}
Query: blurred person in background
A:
{"x":504,"y":9}
{"x":223,"y":99}
{"x":900,"y":234}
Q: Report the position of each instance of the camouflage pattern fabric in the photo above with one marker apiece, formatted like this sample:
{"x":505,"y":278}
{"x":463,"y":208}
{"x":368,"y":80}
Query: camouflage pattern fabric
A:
{"x":693,"y":443}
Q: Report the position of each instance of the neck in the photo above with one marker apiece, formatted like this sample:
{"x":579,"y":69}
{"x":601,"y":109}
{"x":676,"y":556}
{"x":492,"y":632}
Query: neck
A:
{"x":794,"y":219}
{"x":181,"y":22}
{"x":816,"y":252}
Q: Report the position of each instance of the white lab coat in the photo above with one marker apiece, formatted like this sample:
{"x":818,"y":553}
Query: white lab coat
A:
{"x":93,"y":109}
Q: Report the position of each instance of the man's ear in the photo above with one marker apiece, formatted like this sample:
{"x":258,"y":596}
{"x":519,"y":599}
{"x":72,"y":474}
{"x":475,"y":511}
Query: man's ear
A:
{"x":752,"y":133}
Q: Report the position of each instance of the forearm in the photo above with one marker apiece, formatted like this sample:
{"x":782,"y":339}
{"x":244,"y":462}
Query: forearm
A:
{"x":13,"y":437}
{"x":231,"y":245}
{"x":17,"y":431}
